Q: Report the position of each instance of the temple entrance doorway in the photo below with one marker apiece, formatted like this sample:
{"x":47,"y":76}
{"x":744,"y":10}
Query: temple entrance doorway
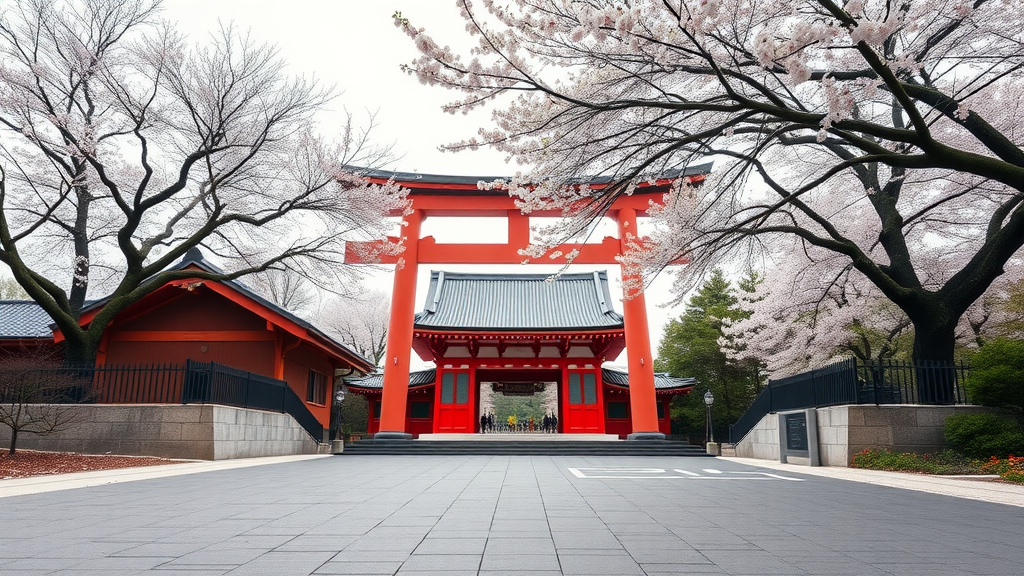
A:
{"x":519,"y":407}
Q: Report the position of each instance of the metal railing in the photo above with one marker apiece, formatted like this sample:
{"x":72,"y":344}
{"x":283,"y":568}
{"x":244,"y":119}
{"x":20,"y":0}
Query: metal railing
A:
{"x":212,"y":383}
{"x":193,"y":383}
{"x":856,"y":382}
{"x":137,"y":383}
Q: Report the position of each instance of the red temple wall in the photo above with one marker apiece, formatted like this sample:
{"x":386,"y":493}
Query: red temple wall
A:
{"x":624,"y":426}
{"x":298,"y":363}
{"x":195,"y":311}
{"x":206,"y":327}
{"x":414,"y":426}
{"x":255,"y":357}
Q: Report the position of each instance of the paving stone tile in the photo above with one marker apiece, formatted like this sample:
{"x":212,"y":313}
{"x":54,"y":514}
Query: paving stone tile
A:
{"x":521,"y":546}
{"x":359,"y":568}
{"x":536,"y":562}
{"x":455,"y":534}
{"x":519,"y":525}
{"x":599,"y":539}
{"x":519,"y":534}
{"x":386,"y":544}
{"x":404,"y":572}
{"x":439,"y":562}
{"x":370,"y":556}
{"x":520,"y":573}
{"x":677,"y":569}
{"x":620,"y":564}
{"x":452,"y":546}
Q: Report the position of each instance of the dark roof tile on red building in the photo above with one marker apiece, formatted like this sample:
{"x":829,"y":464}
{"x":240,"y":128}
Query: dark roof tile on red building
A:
{"x":516,"y":302}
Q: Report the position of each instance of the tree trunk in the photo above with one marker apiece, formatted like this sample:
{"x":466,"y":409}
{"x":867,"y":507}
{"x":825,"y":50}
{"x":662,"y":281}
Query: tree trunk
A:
{"x":14,"y":440}
{"x":81,"y":350}
{"x":934,"y":343}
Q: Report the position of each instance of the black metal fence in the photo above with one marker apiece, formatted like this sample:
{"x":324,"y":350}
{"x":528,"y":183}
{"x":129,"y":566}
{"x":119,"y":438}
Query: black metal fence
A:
{"x":856,"y":382}
{"x":193,"y":383}
{"x":211,"y":383}
{"x":137,"y":383}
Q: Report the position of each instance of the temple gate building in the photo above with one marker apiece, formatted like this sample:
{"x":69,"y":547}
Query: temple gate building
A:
{"x":517,"y":334}
{"x":511,"y":329}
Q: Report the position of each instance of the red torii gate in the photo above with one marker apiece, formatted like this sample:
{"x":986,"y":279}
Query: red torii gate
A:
{"x":447,"y":196}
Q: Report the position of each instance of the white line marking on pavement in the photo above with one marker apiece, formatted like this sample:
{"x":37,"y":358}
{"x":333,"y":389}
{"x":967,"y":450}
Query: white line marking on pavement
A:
{"x":659,"y":473}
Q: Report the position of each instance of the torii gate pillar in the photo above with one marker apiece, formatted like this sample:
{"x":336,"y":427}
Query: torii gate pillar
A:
{"x":642,"y":400}
{"x":400,"y":331}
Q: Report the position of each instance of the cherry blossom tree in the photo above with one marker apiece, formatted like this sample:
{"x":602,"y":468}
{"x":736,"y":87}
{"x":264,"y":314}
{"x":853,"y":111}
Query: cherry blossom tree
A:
{"x":813,"y":308}
{"x":125,"y":144}
{"x":886,"y":134}
{"x":360,"y":321}
{"x":287,"y":289}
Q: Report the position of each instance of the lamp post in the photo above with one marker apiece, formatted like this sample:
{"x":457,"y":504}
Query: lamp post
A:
{"x":338,"y":445}
{"x":709,"y":432}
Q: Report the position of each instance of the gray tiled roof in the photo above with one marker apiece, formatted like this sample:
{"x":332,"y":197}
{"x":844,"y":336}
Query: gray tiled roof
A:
{"x":518,"y":302}
{"x":614,"y":376}
{"x":662,"y":380}
{"x":23,"y":319}
{"x":418,"y":378}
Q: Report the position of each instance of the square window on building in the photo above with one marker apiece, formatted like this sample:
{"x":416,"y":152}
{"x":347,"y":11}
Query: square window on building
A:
{"x":316,"y":387}
{"x":617,"y":410}
{"x":420,"y":410}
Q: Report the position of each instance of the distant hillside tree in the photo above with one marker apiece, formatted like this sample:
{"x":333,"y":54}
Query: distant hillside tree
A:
{"x":694,"y":346}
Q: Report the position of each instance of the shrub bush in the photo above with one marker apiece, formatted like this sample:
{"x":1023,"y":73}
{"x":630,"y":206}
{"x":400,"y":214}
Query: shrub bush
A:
{"x":997,"y":375}
{"x":946,"y":462}
{"x":983,"y":436}
{"x":1010,"y":469}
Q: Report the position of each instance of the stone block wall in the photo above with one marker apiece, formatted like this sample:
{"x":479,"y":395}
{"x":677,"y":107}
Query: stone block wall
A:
{"x":845,"y":430}
{"x":762,"y":441}
{"x":193,"y":431}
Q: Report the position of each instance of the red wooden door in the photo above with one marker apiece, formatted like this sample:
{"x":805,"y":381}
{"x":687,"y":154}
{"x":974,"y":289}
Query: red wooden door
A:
{"x":455,"y":407}
{"x":584,"y":411}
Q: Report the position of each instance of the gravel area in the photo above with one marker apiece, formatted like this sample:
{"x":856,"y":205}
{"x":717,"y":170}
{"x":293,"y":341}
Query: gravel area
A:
{"x":25,"y":463}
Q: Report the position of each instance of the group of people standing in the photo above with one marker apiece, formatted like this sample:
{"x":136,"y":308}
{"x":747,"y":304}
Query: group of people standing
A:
{"x":512,"y":424}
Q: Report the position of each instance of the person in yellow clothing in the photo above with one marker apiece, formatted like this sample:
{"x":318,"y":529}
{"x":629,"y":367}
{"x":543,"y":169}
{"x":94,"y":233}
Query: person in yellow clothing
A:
{"x":512,"y":423}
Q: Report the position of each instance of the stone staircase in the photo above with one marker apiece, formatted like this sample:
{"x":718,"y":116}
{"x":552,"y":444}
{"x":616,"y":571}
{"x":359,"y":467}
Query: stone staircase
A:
{"x":523,"y":445}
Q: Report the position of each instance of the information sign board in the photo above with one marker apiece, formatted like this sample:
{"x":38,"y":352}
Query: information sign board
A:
{"x":798,"y":435}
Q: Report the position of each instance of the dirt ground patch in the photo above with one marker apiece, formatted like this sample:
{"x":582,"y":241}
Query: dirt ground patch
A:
{"x":25,"y":463}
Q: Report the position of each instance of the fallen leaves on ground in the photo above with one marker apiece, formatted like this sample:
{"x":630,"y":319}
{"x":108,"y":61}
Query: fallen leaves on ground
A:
{"x":25,"y":463}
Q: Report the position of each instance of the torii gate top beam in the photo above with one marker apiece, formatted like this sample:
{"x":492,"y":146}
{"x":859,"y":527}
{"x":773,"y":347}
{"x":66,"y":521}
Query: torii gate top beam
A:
{"x":461,"y":196}
{"x":445,"y":195}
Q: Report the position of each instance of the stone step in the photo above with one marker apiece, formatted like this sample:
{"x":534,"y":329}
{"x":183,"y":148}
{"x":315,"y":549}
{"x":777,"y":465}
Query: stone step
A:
{"x":522,"y":437}
{"x":511,"y":447}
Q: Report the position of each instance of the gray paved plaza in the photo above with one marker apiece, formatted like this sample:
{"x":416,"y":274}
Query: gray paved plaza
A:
{"x":505,"y":516}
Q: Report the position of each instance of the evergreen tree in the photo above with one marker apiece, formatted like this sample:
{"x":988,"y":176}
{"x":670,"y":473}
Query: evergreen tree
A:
{"x":694,"y":346}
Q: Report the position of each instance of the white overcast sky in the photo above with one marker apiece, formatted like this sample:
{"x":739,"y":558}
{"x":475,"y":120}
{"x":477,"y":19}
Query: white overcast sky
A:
{"x":354,"y":45}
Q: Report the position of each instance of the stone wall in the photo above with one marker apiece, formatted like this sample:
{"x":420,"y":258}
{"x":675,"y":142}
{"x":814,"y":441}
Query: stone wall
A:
{"x":845,"y":430}
{"x":194,"y":431}
{"x":762,"y":441}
